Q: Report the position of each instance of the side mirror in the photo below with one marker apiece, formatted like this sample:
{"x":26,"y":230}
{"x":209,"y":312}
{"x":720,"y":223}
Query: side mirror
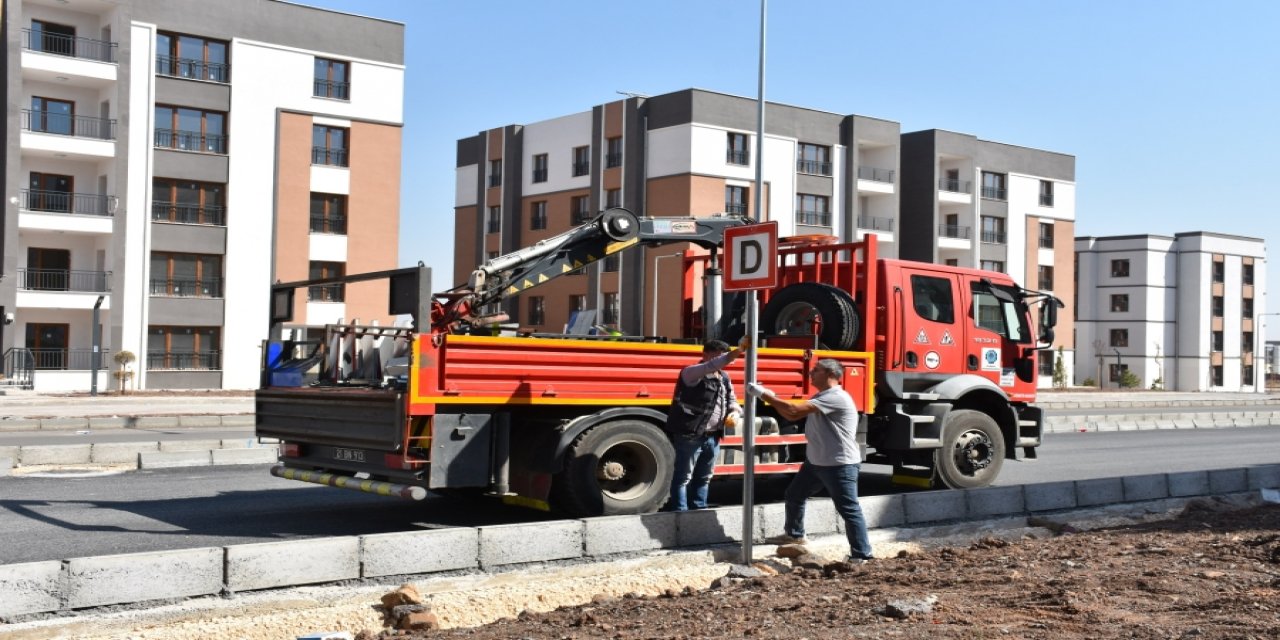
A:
{"x":1046,"y":335}
{"x":1051,"y":314}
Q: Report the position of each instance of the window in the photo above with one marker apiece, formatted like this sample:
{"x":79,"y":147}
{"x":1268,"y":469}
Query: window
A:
{"x":191,"y":57}
{"x":52,"y":116}
{"x":47,"y":342}
{"x":1246,"y":273}
{"x":1046,"y":362}
{"x":1215,"y":341}
{"x":577,"y":302}
{"x":579,"y":209}
{"x":1246,"y":342}
{"x":612,"y":198}
{"x":932,"y":300}
{"x":1120,"y":302}
{"x":1117,"y":371}
{"x":1215,"y":306}
{"x":581,"y":161}
{"x":735,"y":200}
{"x":188,"y":202}
{"x":493,"y":222}
{"x":1046,"y":235}
{"x":50,"y":270}
{"x":328,"y":213}
{"x":1216,"y":372}
{"x":49,"y":37}
{"x":1119,"y":268}
{"x":993,"y":230}
{"x":952,"y":262}
{"x":181,"y":348}
{"x":540,"y":167}
{"x":1119,"y":337}
{"x":813,"y":158}
{"x":737,"y":153}
{"x":613,"y":153}
{"x":537,"y":314}
{"x":992,"y":265}
{"x":1219,"y":271}
{"x":335,"y":292}
{"x":1046,"y":278}
{"x":1046,"y":193}
{"x":1246,"y":307}
{"x":813,"y":210}
{"x":609,"y":314}
{"x":51,"y":192}
{"x":329,"y":145}
{"x":495,"y":173}
{"x":612,"y":262}
{"x":538,"y":215}
{"x":186,"y":275}
{"x":993,"y":186}
{"x":191,"y":129}
{"x":1246,"y":375}
{"x":332,"y":79}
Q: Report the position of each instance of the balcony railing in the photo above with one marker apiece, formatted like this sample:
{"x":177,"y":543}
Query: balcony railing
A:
{"x":193,"y":69}
{"x":814,"y":167}
{"x":875,"y":223}
{"x":336,"y":225}
{"x":329,"y":155}
{"x":188,"y":360}
{"x":187,"y":287}
{"x":64,"y":280}
{"x":1046,"y":242}
{"x":875,"y":175}
{"x":191,"y":141}
{"x":612,"y":160}
{"x":814,"y":218}
{"x":19,"y":367}
{"x":493,"y":226}
{"x":955,"y":231}
{"x":580,"y":217}
{"x":326,"y":293}
{"x":1046,"y":200}
{"x":327,"y":89}
{"x":736,"y":157}
{"x":539,"y":175}
{"x":68,"y":125}
{"x":994,"y":193}
{"x":89,"y":204}
{"x":215,"y":215}
{"x":735,"y":209}
{"x":66,"y":359}
{"x":581,"y":168}
{"x":955,"y":185}
{"x":72,"y":46}
{"x":993,"y":237}
{"x":495,"y":180}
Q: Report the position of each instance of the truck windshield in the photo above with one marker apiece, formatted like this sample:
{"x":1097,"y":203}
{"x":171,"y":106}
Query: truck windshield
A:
{"x":1008,"y":319}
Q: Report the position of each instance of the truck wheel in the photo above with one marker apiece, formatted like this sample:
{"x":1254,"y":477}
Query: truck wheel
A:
{"x":617,"y":468}
{"x":972,"y":450}
{"x":792,"y":311}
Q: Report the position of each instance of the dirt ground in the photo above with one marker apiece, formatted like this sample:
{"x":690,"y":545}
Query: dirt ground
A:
{"x":1206,"y":574}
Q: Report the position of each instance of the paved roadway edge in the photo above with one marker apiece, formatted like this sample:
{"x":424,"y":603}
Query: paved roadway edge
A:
{"x":79,"y":583}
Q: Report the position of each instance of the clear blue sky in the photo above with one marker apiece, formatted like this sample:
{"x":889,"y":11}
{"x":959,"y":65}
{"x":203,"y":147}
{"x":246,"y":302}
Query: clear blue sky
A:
{"x":1171,"y":107}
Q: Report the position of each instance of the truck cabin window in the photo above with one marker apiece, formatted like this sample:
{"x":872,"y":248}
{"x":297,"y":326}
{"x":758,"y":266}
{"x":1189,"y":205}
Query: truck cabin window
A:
{"x":932,"y":300}
{"x":1005,"y":318}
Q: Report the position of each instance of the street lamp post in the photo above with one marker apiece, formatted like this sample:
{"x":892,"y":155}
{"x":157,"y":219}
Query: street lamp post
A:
{"x":653,"y":327}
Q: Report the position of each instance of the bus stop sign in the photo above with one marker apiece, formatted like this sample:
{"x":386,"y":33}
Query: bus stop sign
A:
{"x":751,"y":257}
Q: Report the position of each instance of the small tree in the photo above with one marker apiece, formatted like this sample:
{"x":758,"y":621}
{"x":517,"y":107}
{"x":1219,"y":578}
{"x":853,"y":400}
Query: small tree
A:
{"x":1060,"y":371}
{"x":123,"y":372}
{"x":1129,"y":379}
{"x":1088,"y":382}
{"x":1158,"y":383}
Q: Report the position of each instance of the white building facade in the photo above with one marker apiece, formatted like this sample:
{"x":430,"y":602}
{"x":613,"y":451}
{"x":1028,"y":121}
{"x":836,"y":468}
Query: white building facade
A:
{"x":1178,"y":313}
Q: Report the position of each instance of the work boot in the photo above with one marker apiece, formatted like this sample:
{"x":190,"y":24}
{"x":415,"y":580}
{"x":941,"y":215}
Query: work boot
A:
{"x":786,"y":538}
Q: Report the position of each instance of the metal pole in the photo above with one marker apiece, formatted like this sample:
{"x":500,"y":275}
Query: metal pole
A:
{"x":95,"y":358}
{"x":749,"y":421}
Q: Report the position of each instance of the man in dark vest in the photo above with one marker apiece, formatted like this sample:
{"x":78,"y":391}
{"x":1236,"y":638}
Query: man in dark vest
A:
{"x":703,"y":400}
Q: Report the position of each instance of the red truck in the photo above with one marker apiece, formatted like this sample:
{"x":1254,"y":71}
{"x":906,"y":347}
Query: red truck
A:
{"x":941,"y":359}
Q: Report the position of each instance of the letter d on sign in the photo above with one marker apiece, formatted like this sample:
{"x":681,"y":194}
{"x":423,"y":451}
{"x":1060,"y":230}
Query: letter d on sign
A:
{"x":750,"y":256}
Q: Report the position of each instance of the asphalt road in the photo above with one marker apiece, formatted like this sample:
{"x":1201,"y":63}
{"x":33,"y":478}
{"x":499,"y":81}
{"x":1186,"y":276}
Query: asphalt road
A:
{"x":49,"y":518}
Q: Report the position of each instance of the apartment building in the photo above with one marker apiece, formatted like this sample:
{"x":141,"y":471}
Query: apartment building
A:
{"x":1179,"y":313}
{"x":693,"y":153}
{"x":167,"y":160}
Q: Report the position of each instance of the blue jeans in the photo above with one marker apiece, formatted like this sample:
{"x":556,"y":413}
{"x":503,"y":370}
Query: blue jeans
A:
{"x":695,"y":460}
{"x":841,"y":482}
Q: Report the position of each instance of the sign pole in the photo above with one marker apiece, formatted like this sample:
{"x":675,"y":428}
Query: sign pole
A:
{"x":749,"y":426}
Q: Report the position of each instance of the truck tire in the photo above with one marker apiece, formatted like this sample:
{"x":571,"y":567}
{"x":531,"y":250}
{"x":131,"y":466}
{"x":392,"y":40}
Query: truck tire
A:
{"x":972,"y":450}
{"x":617,"y":468}
{"x":795,"y":306}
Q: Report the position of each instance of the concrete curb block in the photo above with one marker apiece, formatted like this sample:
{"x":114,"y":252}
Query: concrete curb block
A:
{"x":120,"y":452}
{"x":243,"y":456}
{"x":55,"y":454}
{"x":172,"y":459}
{"x":43,"y":587}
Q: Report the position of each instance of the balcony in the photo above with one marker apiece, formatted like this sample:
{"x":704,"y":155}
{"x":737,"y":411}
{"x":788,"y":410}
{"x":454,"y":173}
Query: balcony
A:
{"x":581,"y":217}
{"x":191,"y":141}
{"x":994,"y":193}
{"x":495,"y":180}
{"x":993,"y":237}
{"x":875,"y":223}
{"x":211,"y":215}
{"x":88,"y":204}
{"x":187,"y":287}
{"x":326,"y":293}
{"x":64,"y":280}
{"x":875,"y":175}
{"x":955,"y":185}
{"x":70,"y":46}
{"x":334,"y":225}
{"x":814,"y":218}
{"x":329,"y":156}
{"x":737,"y":157}
{"x":68,"y":125}
{"x":735,"y":209}
{"x":189,"y":360}
{"x":612,"y":160}
{"x":813,"y":167}
{"x":955,"y":231}
{"x":79,"y":359}
{"x":1046,"y":199}
{"x":328,"y":89}
{"x":539,"y":175}
{"x":581,"y":168}
{"x":192,"y":69}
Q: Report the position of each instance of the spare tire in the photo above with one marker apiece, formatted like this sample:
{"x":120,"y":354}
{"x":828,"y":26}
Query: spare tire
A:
{"x":792,"y":311}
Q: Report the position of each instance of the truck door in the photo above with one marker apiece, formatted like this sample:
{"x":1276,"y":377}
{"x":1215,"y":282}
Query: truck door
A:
{"x":931,"y":339}
{"x":997,"y":336}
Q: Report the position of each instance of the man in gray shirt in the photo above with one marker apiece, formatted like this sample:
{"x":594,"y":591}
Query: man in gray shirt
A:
{"x":832,"y":458}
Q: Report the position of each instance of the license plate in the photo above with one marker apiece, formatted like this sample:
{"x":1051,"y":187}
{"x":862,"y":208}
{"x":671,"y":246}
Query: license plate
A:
{"x":348,"y":455}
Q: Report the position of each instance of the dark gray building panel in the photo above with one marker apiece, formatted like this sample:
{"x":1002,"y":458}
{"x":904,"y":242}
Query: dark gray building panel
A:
{"x":469,"y":151}
{"x":187,"y":238}
{"x":189,"y":165}
{"x":196,"y":94}
{"x":1006,"y":158}
{"x":875,"y":130}
{"x":918,"y":201}
{"x":282,"y":23}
